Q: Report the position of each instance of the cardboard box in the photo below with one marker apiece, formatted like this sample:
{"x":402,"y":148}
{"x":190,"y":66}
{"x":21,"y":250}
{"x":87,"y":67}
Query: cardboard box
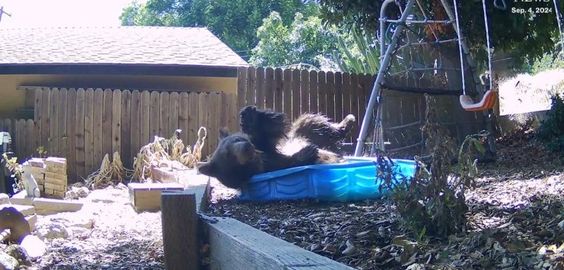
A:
{"x":147,"y":196}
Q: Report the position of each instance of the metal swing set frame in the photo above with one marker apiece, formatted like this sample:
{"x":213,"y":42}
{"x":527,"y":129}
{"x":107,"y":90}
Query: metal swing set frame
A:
{"x":489,"y":96}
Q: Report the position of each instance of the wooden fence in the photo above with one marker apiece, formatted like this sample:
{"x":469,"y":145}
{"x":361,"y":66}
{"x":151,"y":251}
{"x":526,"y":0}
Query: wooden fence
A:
{"x":85,"y":124}
{"x":295,"y":92}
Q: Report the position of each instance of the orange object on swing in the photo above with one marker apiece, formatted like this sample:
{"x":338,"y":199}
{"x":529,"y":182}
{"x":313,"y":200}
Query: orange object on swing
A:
{"x":487,"y":102}
{"x":490,"y":96}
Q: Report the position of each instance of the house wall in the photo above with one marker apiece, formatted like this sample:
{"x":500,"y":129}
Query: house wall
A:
{"x":12,"y":99}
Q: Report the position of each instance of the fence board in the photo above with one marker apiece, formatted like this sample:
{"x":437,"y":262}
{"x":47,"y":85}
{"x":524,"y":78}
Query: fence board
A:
{"x":173,"y":119}
{"x":241,"y":86}
{"x":135,"y":127}
{"x":365,"y":91}
{"x":107,"y":137}
{"x":125,"y":121}
{"x":17,"y":141}
{"x":154,"y":112}
{"x":330,"y":95}
{"x":287,"y":94}
{"x":30,"y":138}
{"x":194,"y":117}
{"x":203,"y":118}
{"x":322,"y":92}
{"x":164,"y":128}
{"x":53,"y":141}
{"x":116,"y":121}
{"x":347,"y":95}
{"x":313,"y":92}
{"x":213,"y":120}
{"x":98,"y":131}
{"x":354,"y":103}
{"x":144,"y":120}
{"x":260,"y":89}
{"x":296,"y":95}
{"x":251,"y":90}
{"x":269,"y":88}
{"x":183,"y":117}
{"x":37,"y":117}
{"x":304,"y":92}
{"x":45,"y":119}
{"x":62,"y":111}
{"x":88,"y":130}
{"x":278,"y":78}
{"x":79,"y":134}
{"x":232,"y":113}
{"x":71,"y":133}
{"x":339,"y":96}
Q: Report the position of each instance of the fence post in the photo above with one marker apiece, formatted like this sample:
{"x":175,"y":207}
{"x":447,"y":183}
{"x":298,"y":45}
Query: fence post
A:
{"x":180,"y":230}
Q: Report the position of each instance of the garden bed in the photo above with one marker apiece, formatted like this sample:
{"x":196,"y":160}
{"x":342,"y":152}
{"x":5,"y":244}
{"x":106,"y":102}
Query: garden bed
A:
{"x":516,"y":219}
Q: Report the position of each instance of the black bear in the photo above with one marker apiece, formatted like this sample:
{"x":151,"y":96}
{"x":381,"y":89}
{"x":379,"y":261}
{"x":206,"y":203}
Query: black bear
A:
{"x":265,"y":145}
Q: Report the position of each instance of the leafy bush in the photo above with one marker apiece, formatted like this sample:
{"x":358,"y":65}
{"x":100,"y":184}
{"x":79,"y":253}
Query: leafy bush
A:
{"x":551,"y":130}
{"x":433,"y":202}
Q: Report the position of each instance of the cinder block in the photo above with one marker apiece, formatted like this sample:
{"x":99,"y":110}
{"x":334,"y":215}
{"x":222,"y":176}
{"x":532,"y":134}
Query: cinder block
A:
{"x":56,"y":165}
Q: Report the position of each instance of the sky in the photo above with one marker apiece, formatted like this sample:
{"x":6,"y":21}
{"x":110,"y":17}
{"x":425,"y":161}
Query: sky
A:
{"x":52,"y":13}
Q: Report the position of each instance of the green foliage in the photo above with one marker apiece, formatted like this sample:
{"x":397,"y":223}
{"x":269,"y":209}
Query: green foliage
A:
{"x":15,"y":168}
{"x":357,"y":52}
{"x":433,"y":203}
{"x":235,"y":22}
{"x":41,"y":151}
{"x":526,"y":36}
{"x":547,"y":62}
{"x":551,"y":130}
{"x":304,"y":41}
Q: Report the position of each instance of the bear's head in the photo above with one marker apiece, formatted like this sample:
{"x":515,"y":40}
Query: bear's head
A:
{"x":234,"y":161}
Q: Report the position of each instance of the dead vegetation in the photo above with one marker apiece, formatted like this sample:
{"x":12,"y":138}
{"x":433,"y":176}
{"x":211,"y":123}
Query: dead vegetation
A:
{"x":170,"y":153}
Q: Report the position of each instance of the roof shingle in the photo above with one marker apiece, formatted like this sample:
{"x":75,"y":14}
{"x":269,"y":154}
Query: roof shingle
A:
{"x":115,"y":45}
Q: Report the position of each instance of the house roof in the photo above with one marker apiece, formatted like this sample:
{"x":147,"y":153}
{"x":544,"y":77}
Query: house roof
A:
{"x":30,"y":50}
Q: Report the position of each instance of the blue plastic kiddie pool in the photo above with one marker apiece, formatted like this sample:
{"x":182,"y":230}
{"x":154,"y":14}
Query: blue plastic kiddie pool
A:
{"x":352,"y":180}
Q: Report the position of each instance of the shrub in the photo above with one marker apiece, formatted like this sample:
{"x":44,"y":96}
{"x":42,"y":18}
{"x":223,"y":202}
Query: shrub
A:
{"x":433,"y":202}
{"x":551,"y":130}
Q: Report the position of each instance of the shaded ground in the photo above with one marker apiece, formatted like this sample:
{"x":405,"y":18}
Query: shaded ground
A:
{"x":516,"y":221}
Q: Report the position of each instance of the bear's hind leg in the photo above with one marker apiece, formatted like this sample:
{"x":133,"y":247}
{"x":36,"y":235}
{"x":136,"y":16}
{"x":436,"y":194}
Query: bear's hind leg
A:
{"x":265,"y":128}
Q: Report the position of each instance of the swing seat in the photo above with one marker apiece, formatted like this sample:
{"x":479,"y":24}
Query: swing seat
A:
{"x":487,"y":102}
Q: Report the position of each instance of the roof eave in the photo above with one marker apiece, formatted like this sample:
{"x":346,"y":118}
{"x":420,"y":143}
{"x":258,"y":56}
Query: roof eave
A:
{"x":120,"y":69}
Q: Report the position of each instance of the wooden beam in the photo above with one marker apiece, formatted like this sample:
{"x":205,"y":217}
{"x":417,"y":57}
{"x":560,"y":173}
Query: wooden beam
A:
{"x":180,"y":230}
{"x":235,"y":245}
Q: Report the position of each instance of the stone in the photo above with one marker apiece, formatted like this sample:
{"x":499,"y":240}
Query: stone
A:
{"x":4,"y":198}
{"x":52,"y":230}
{"x":8,"y":262}
{"x":33,"y":246}
{"x":18,"y":253}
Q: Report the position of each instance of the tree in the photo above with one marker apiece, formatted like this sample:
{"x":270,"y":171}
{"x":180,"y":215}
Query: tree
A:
{"x":304,"y":41}
{"x":309,"y":41}
{"x":527,"y":36}
{"x":235,"y":22}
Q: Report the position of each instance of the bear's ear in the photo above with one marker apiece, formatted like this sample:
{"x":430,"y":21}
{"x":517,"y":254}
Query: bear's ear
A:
{"x":223,"y":132}
{"x":207,"y":168}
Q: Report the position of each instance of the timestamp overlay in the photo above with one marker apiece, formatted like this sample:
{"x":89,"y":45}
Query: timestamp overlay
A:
{"x":533,"y":8}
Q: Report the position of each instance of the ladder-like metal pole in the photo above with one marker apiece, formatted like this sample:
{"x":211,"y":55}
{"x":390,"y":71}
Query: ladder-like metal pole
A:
{"x":376,"y":88}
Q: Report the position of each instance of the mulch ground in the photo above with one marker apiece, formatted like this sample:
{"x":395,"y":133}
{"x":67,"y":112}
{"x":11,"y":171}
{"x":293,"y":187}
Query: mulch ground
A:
{"x":515,"y":220}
